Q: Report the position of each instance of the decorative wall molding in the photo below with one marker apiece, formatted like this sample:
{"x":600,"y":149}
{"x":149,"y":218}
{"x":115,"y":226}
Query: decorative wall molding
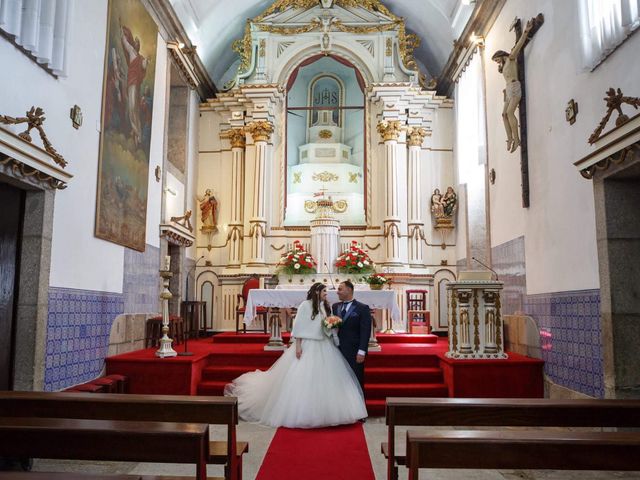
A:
{"x":176,"y":235}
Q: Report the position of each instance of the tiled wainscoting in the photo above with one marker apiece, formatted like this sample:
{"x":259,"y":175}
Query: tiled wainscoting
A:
{"x":78,"y":334}
{"x":568,"y":322}
{"x":141,"y":283}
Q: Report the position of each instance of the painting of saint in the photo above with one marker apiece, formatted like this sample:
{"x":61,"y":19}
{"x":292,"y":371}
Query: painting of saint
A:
{"x":127,"y":106}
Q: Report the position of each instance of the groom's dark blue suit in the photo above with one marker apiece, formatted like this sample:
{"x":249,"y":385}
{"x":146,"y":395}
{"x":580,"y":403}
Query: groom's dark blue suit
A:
{"x":354,"y":334}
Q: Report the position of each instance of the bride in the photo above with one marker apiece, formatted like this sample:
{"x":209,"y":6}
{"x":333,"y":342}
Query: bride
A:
{"x":310,"y":385}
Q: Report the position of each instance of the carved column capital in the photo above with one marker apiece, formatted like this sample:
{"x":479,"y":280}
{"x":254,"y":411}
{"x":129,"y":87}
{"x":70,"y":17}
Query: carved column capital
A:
{"x":237,"y":137}
{"x":389,"y":130}
{"x":416,"y":135}
{"x":261,"y":130}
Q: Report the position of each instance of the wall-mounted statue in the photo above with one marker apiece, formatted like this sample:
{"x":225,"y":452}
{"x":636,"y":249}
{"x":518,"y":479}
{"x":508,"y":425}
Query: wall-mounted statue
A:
{"x":208,"y":212}
{"x":508,"y":66}
{"x":443,"y":207}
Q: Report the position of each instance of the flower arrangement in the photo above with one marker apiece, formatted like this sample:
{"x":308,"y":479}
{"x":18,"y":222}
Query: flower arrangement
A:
{"x":354,"y":260}
{"x":297,"y":261}
{"x":376,"y":279}
{"x":332,"y":321}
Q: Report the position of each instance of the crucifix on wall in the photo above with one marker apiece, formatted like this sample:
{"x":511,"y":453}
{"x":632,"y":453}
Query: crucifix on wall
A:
{"x":512,"y":67}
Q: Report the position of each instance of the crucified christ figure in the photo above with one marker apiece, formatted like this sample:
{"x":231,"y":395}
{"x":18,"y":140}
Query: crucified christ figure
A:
{"x":508,"y":66}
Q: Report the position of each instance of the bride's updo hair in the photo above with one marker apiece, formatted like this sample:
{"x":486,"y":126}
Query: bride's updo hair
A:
{"x":314,"y":295}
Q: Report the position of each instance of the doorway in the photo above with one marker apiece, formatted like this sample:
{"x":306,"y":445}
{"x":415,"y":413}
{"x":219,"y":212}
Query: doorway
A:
{"x":11,"y":213}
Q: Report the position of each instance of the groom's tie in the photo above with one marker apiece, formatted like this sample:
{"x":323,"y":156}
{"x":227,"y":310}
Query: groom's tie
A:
{"x":343,"y":311}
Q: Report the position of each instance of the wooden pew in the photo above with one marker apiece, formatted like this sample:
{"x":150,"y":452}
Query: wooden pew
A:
{"x":525,"y":449}
{"x":479,"y":412}
{"x":164,"y":408}
{"x":110,"y":440}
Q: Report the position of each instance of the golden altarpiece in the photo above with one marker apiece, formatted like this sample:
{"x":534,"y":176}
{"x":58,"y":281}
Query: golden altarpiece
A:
{"x":327,"y":100}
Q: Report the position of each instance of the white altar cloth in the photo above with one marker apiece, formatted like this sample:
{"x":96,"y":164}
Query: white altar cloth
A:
{"x":289,"y":298}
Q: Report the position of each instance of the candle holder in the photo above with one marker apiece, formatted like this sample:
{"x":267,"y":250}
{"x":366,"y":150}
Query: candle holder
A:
{"x":165,"y":349}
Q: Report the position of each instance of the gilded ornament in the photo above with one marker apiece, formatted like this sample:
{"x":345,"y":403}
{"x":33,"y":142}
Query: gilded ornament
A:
{"x":236,"y":136}
{"x":389,"y":130}
{"x":614,"y":100}
{"x":297,"y":177}
{"x":476,"y":322}
{"x":416,"y":136}
{"x":314,"y":25}
{"x":389,"y":49}
{"x":263,"y":47}
{"x":260,"y":131}
{"x":325,"y":134}
{"x":325,"y":177}
{"x":35,"y":119}
{"x":353,"y":177}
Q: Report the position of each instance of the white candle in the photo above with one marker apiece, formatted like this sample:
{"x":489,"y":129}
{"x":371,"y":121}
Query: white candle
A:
{"x":167,"y":263}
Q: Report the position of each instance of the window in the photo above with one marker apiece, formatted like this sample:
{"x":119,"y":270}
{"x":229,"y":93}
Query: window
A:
{"x":40,"y":28}
{"x":605,"y":24}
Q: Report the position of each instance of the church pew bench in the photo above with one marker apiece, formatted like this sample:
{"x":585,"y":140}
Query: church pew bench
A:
{"x":479,"y":412}
{"x":524,"y":449}
{"x":106,"y":440}
{"x":165,"y":408}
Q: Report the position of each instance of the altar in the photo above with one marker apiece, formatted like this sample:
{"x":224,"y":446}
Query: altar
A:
{"x":291,"y":298}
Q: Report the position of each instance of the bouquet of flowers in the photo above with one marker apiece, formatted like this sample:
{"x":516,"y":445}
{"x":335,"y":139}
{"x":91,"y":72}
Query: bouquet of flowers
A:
{"x":354,"y":260}
{"x":332,"y":323}
{"x":376,"y":279}
{"x":297,"y":261}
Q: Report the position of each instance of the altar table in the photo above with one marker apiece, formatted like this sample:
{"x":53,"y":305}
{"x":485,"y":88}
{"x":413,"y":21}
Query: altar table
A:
{"x":290,"y":298}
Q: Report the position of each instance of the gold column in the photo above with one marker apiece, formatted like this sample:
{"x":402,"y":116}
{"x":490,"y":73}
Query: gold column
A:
{"x":261,"y":132}
{"x":237,"y":138}
{"x":390,"y":131}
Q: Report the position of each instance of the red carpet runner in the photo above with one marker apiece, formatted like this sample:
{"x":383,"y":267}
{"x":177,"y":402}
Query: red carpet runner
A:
{"x":334,"y":453}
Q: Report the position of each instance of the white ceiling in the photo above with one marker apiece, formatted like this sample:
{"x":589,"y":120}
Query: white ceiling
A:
{"x":213,"y":25}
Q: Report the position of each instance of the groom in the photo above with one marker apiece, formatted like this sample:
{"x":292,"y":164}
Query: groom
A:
{"x":355,"y":329}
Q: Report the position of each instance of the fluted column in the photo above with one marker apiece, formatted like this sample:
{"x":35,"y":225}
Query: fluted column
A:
{"x":237,"y":137}
{"x":261,"y":132}
{"x":390,"y":131}
{"x":415,"y":137}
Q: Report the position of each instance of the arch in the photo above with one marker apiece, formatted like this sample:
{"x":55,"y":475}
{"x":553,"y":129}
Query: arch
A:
{"x":309,"y":54}
{"x":440,"y":278}
{"x":341,"y":100}
{"x":209,"y":276}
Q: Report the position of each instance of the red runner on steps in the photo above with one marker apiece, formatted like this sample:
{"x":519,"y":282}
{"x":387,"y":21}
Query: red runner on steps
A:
{"x":334,"y":453}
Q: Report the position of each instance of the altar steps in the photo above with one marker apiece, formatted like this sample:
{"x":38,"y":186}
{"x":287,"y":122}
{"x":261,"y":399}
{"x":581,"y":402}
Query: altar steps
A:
{"x":373,"y":375}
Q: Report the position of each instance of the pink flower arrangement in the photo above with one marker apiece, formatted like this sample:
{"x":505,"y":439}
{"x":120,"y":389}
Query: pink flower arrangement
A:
{"x":297,"y":261}
{"x":354,"y":260}
{"x":332,"y":321}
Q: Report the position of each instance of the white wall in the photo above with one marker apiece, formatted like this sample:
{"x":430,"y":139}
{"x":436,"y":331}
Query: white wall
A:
{"x":78,"y":258}
{"x":559,"y":227}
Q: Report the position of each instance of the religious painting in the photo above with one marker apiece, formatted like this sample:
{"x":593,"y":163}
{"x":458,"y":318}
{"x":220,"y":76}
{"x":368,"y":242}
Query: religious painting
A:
{"x":127,"y":107}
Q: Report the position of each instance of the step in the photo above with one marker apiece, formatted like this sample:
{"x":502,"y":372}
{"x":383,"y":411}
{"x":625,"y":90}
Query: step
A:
{"x":221,"y":373}
{"x":376,"y":407}
{"x":403,"y":360}
{"x":252,"y":360}
{"x":406,"y":338}
{"x":403,"y":375}
{"x":211,"y":388}
{"x":252,"y":338}
{"x":384,"y":390}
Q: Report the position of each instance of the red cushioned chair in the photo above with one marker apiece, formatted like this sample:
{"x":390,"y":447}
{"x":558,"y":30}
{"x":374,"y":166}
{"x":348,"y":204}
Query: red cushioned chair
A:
{"x":418,"y":315}
{"x":249,"y":284}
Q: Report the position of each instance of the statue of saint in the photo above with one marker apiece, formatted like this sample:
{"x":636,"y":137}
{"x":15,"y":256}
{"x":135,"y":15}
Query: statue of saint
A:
{"x":449,"y":202}
{"x":437,"y":207}
{"x":209,"y":211}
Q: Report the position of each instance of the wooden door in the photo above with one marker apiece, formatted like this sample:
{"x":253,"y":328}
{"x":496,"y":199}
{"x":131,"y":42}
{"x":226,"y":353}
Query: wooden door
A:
{"x":11,"y":208}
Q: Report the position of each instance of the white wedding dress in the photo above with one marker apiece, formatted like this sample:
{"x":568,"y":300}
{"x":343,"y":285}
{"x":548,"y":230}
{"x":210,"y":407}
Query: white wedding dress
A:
{"x":317,"y":390}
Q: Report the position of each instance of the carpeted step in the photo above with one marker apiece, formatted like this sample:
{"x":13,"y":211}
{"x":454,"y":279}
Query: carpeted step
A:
{"x":380,"y":359}
{"x":253,"y":360}
{"x":403,"y":375}
{"x":376,"y":407}
{"x":384,"y":390}
{"x":211,"y":388}
{"x":218,"y":373}
{"x":244,"y":338}
{"x":405,"y":338}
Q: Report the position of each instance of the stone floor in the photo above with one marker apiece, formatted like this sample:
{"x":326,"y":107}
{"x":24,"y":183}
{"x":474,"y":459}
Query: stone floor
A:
{"x":259,"y":438}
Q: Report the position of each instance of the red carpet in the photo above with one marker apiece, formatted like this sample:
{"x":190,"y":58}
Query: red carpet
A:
{"x":334,"y":453}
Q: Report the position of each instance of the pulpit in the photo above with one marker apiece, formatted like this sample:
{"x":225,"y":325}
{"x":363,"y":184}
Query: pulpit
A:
{"x":475,"y":319}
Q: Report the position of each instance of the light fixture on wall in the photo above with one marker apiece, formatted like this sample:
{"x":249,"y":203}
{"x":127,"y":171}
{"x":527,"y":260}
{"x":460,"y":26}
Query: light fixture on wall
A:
{"x":170,"y":190}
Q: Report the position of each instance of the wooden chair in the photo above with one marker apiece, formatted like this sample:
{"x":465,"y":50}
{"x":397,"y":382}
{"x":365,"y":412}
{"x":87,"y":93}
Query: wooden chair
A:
{"x":249,"y":284}
{"x":418,"y":315}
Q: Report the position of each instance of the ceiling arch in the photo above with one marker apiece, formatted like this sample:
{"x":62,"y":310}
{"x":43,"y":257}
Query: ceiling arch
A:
{"x":213,"y":25}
